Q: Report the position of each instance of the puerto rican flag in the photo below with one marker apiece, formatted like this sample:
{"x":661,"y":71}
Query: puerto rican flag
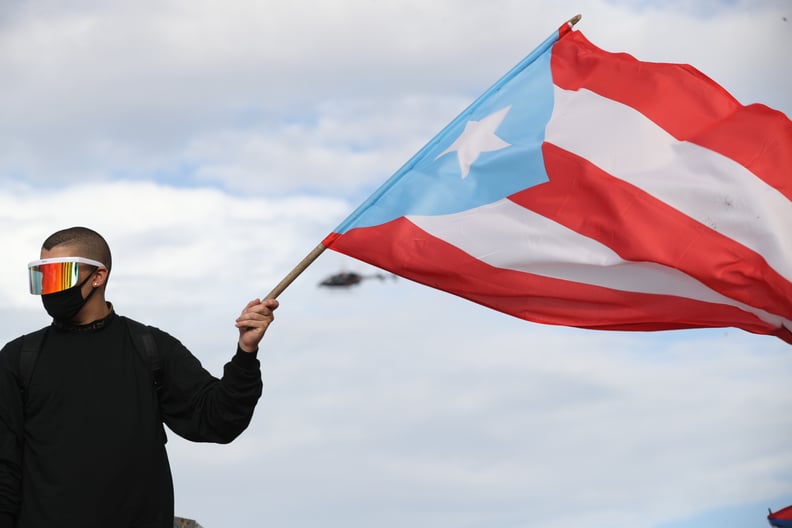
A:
{"x":589,"y":189}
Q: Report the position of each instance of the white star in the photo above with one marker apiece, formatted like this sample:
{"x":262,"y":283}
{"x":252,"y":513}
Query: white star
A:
{"x":478,"y":137}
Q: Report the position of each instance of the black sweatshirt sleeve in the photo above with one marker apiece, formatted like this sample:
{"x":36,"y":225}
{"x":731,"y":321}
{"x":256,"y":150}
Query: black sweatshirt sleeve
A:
{"x":11,"y":430}
{"x":198,"y":406}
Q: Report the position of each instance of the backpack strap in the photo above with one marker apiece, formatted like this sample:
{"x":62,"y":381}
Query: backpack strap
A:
{"x":31,"y":346}
{"x":28,"y":354}
{"x":144,"y":343}
{"x":147,"y":348}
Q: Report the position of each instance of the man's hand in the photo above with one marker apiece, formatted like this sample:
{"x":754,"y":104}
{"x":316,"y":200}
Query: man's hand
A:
{"x":253,"y":322}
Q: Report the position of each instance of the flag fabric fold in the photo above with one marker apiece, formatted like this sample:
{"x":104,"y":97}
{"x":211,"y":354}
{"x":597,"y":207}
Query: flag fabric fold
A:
{"x":590,"y":189}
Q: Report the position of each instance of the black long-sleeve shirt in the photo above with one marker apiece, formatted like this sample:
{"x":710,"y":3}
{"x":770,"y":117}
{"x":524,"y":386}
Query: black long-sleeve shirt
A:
{"x":92,"y":447}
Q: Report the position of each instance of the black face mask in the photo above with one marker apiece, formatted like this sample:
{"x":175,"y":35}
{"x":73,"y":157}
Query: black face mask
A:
{"x":64,"y":305}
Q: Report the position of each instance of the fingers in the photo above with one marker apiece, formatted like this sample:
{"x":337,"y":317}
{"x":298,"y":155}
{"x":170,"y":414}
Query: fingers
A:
{"x":257,"y":312}
{"x":254,"y":321}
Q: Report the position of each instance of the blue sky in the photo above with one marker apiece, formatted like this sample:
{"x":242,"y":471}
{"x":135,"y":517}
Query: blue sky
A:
{"x":215,"y":143}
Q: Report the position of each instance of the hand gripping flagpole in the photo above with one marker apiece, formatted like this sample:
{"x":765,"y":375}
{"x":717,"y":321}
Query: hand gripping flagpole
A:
{"x":319,"y":249}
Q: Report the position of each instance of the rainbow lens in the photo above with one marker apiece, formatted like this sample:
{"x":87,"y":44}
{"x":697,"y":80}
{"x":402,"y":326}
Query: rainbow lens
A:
{"x":56,"y":274}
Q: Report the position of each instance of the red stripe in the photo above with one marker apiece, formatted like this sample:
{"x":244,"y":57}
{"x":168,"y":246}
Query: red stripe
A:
{"x":685,"y":102}
{"x":402,"y":248}
{"x":782,"y":514}
{"x":640,"y":227}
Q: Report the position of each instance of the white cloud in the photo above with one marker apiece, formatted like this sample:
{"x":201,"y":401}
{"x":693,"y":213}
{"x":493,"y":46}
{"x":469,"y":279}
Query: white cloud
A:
{"x":191,"y":237}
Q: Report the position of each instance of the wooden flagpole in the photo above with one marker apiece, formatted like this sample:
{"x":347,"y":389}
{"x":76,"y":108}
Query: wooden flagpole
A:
{"x":293,"y":274}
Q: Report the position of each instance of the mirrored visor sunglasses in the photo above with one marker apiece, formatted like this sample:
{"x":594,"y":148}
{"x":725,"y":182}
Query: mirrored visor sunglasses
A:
{"x":57,"y":274}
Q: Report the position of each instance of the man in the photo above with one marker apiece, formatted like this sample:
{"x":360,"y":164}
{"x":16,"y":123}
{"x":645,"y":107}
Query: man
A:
{"x":81,"y":441}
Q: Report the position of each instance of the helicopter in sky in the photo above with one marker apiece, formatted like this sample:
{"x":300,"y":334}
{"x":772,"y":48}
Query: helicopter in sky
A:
{"x":347,"y":279}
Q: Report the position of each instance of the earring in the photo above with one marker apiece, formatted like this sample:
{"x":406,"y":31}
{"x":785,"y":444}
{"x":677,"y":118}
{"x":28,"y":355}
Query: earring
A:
{"x":94,"y":284}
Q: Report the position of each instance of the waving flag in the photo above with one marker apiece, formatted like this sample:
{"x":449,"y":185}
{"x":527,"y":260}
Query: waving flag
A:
{"x":782,"y":518}
{"x":589,"y":189}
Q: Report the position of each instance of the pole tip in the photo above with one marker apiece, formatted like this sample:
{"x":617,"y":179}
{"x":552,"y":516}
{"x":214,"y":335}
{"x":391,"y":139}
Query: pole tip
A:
{"x":574,"y":20}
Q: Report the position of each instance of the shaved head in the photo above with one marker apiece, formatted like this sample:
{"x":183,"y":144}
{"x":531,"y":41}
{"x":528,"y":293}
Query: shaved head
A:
{"x":87,"y":242}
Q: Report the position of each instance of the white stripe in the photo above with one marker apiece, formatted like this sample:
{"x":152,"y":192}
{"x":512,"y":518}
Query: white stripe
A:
{"x":506,"y":235}
{"x":706,"y":186}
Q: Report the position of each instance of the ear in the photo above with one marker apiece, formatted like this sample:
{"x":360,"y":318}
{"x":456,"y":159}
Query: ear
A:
{"x":99,"y":277}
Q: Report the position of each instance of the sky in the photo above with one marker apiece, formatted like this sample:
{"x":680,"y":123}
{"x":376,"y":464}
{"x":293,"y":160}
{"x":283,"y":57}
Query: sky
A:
{"x":215,"y":143}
